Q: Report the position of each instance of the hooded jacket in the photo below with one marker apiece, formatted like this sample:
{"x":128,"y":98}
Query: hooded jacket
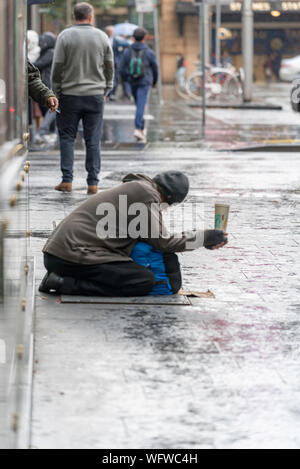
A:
{"x":33,"y":48}
{"x":150,"y":65}
{"x":44,"y":62}
{"x":77,"y":238}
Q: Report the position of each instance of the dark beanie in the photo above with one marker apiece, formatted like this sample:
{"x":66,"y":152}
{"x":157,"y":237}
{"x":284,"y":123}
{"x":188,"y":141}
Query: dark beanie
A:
{"x":174,"y":186}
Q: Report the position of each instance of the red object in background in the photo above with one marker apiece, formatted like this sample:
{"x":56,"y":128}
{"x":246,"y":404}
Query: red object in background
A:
{"x":12,"y":109}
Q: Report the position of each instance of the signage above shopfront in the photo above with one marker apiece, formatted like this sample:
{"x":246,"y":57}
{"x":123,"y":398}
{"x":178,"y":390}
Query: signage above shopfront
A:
{"x":38,"y":2}
{"x":144,"y":6}
{"x":268,"y":6}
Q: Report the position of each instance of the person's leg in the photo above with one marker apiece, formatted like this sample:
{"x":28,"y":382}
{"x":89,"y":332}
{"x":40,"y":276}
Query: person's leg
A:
{"x":92,"y":125}
{"x":173,"y":271}
{"x":114,"y":279}
{"x":142,"y":93}
{"x":67,"y":123}
{"x":134,"y":92}
{"x":47,"y":123}
{"x":126,"y":89}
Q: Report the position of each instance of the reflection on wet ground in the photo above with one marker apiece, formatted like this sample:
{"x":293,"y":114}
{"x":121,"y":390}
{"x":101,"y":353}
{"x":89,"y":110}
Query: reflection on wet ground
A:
{"x":178,"y":124}
{"x":228,"y":128}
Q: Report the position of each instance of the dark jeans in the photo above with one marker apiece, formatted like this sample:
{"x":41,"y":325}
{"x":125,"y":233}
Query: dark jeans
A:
{"x":90,"y":110}
{"x":140,"y":94}
{"x":116,"y":279}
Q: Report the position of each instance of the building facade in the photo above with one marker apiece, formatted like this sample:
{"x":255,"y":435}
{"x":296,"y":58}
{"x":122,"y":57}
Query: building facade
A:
{"x":276,"y":31}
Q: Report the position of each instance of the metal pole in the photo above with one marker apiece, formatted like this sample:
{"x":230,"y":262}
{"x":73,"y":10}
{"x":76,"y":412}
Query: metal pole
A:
{"x":218,"y":27}
{"x":248,"y":49}
{"x":157,"y":50}
{"x":69,"y":12}
{"x":207,"y":22}
{"x":35,"y":19}
{"x":141,"y":20}
{"x":202,"y":15}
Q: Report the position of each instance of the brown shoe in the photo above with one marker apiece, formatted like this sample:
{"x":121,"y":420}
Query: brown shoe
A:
{"x":64,"y":187}
{"x":92,"y":190}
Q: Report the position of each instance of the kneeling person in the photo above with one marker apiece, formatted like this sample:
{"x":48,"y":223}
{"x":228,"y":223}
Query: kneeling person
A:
{"x":82,"y":257}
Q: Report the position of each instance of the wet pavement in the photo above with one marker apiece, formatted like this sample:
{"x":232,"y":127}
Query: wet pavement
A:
{"x":221,"y":373}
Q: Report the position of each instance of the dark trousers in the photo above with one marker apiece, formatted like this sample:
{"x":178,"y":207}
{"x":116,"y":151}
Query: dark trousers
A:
{"x":90,"y":110}
{"x":116,"y":279}
{"x":140,"y":94}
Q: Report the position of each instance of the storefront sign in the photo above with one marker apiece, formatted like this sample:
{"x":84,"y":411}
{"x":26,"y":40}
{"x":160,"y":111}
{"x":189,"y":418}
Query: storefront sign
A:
{"x":266,"y":6}
{"x":38,"y":2}
{"x":144,"y":6}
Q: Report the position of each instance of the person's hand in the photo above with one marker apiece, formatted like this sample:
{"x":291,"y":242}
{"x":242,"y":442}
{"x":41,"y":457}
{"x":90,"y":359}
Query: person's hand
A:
{"x":52,"y":103}
{"x":215,"y":239}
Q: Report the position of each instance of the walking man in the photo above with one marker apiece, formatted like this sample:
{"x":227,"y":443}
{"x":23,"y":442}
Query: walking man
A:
{"x":82,"y":77}
{"x":140,"y":68}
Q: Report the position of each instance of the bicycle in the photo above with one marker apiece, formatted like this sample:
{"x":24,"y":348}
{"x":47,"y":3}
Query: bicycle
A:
{"x":220,"y":82}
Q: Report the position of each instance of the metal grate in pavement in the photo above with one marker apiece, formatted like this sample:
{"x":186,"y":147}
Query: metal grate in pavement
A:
{"x":144,"y":300}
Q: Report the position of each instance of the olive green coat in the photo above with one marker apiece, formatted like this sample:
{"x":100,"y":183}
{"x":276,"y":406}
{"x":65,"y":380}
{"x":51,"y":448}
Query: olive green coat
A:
{"x":36,"y":88}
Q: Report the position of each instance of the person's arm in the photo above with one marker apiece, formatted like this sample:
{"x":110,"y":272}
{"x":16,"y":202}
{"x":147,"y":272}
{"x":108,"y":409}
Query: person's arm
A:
{"x":37,"y":90}
{"x":58,"y":65}
{"x":109,"y":68}
{"x":159,"y":238}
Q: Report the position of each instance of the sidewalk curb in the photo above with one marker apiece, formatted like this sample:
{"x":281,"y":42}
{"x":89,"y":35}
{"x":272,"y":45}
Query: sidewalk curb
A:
{"x":246,"y":106}
{"x":284,"y":148}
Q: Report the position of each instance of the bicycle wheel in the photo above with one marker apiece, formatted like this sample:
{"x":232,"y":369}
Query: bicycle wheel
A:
{"x":195,"y":86}
{"x":233,"y":88}
{"x":228,"y":84}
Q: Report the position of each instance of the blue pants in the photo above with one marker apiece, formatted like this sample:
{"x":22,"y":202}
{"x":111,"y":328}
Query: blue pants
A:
{"x":90,"y":110}
{"x":140,"y":94}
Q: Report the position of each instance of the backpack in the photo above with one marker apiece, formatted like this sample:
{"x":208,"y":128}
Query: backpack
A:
{"x":136,"y":65}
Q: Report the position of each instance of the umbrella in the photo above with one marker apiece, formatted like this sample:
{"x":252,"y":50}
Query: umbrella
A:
{"x":126,"y":29}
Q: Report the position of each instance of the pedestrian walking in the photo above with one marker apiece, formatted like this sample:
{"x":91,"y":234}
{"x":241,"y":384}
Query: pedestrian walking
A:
{"x":119,"y":45}
{"x":268,"y":69}
{"x":33,"y":53}
{"x":44,"y":62}
{"x":101,"y":249}
{"x":276,"y":65}
{"x":139,"y":66}
{"x":33,"y":48}
{"x":181,"y":71}
{"x":82,"y":77}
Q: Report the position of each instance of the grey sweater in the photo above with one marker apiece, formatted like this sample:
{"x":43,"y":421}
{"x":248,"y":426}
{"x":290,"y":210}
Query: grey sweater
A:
{"x":76,"y":239}
{"x":83,"y":62}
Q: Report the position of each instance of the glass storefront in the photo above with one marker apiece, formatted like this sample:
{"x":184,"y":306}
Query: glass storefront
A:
{"x":13,"y":211}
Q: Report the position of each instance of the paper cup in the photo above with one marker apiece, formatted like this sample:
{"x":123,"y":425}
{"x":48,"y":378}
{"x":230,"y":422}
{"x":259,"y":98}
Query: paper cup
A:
{"x":221,"y":216}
